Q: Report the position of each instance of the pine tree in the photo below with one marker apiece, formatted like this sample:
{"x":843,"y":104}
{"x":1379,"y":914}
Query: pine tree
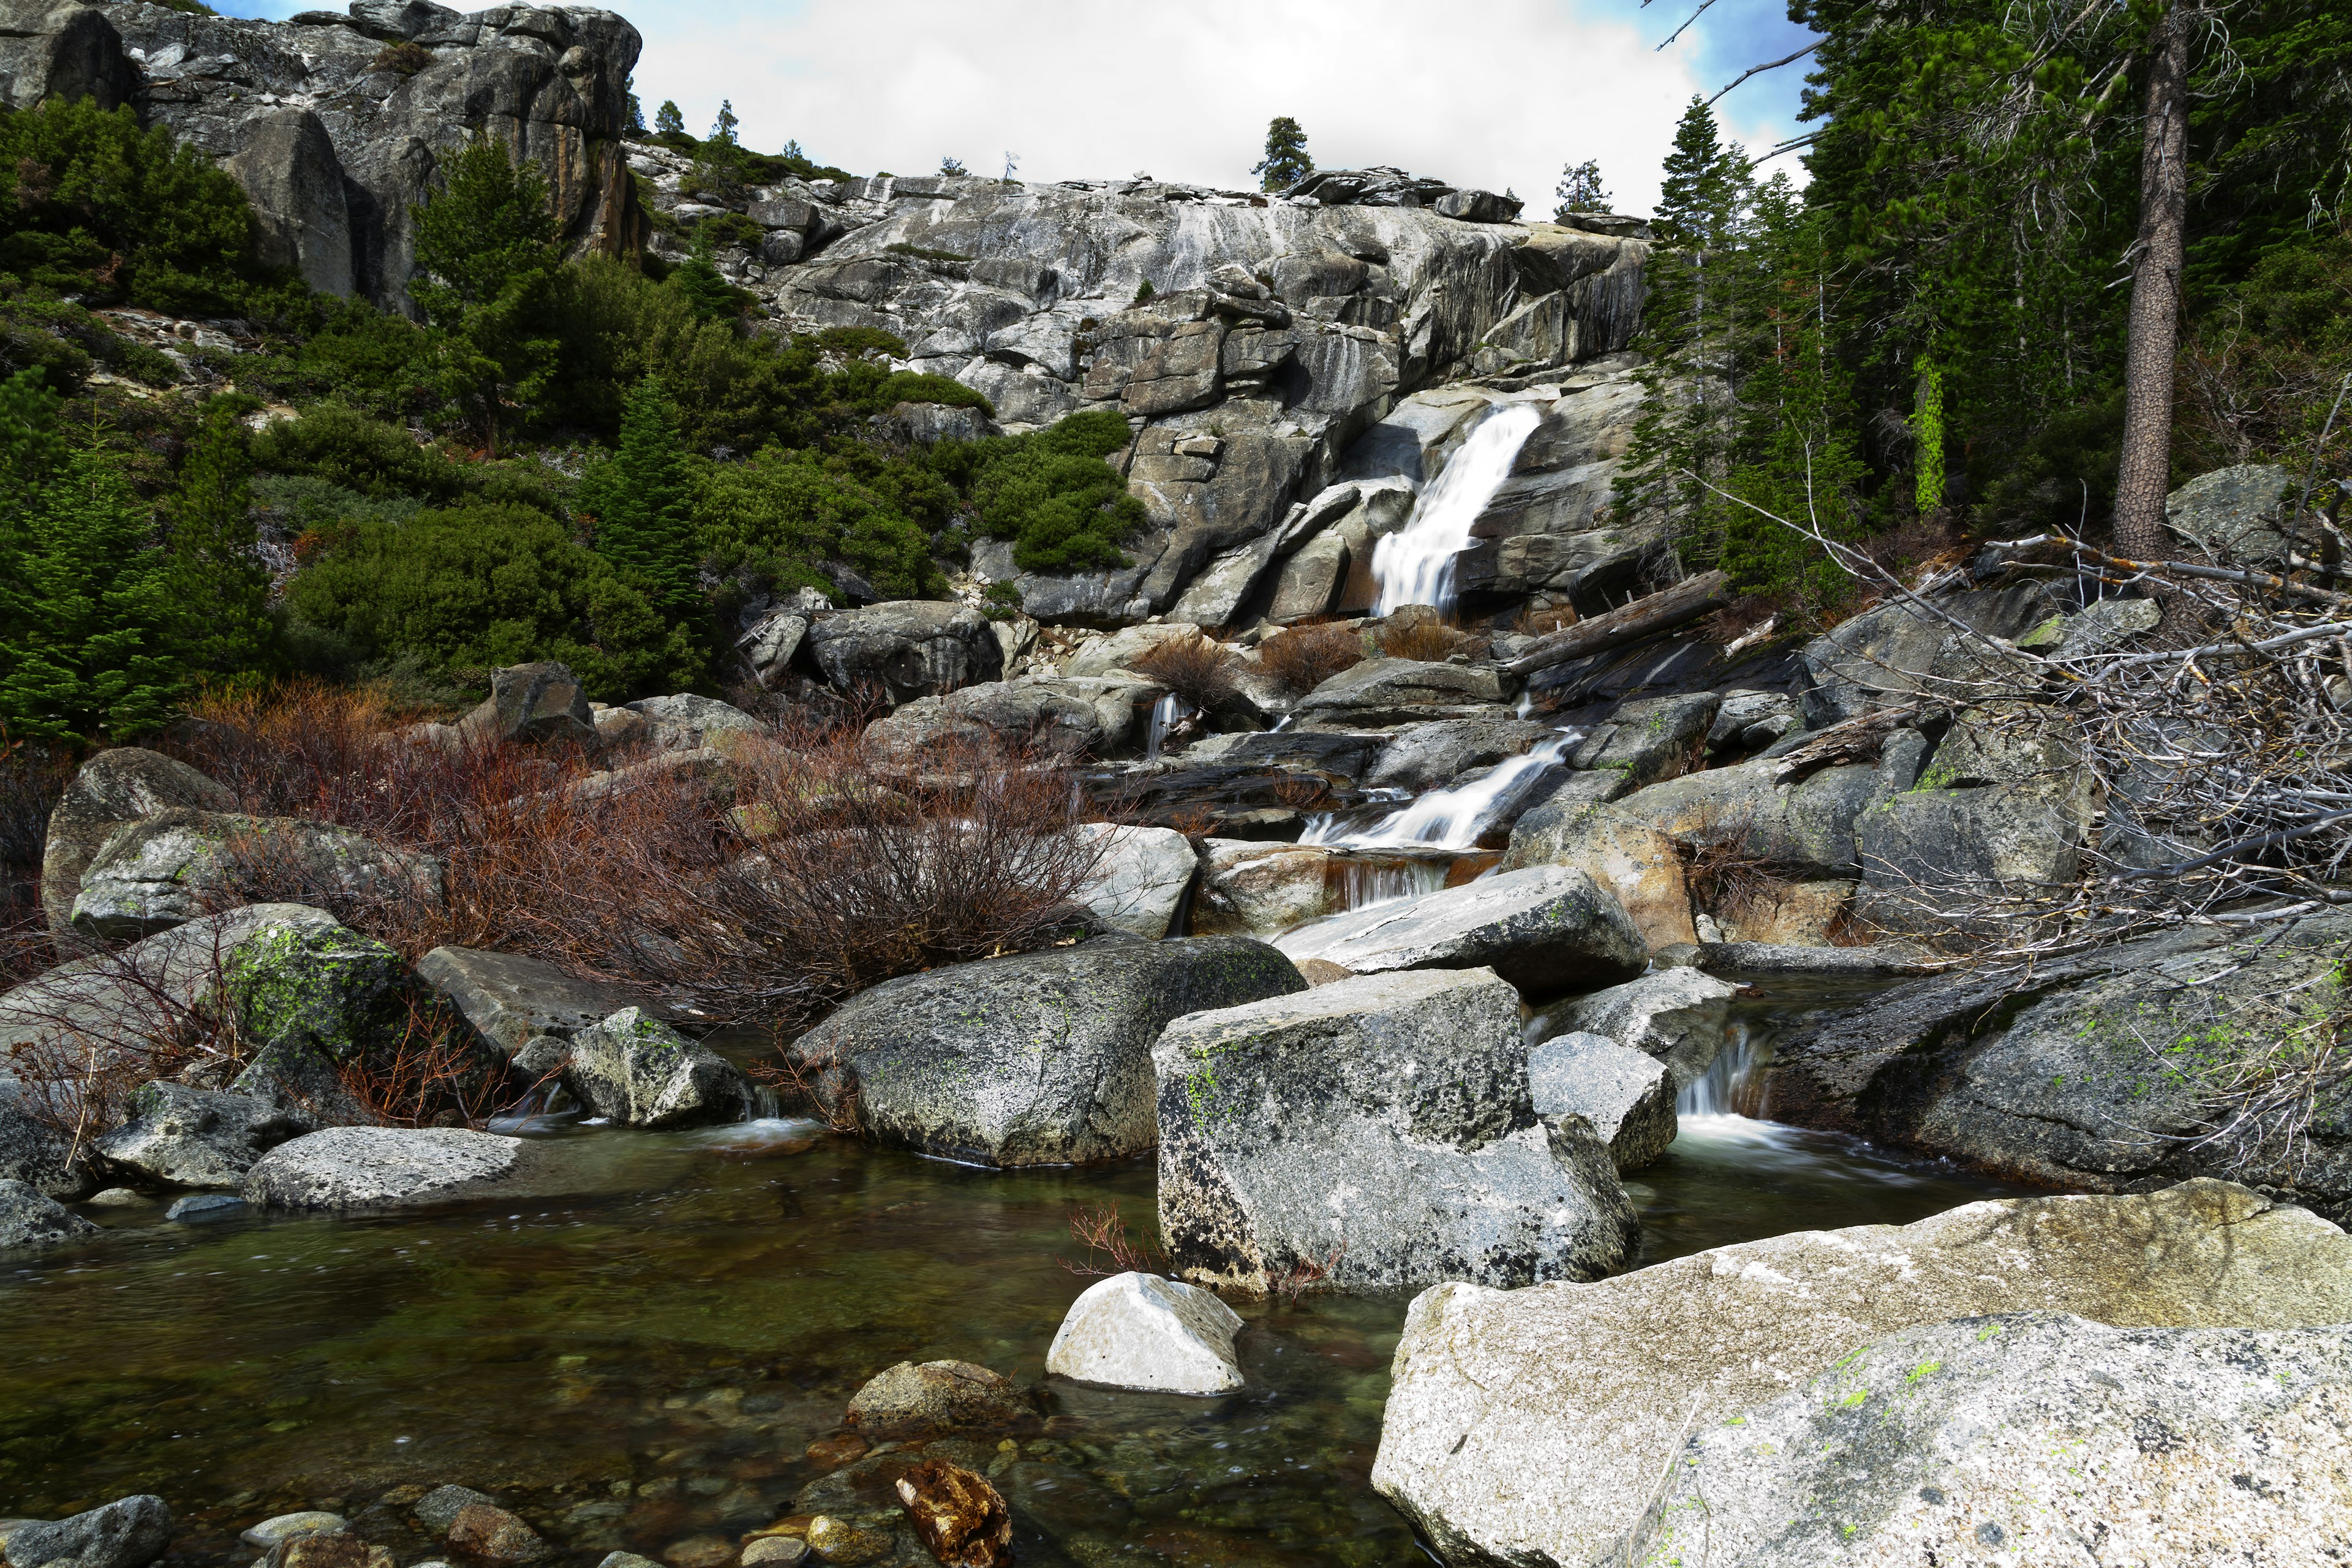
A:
{"x":645,"y":521}
{"x":722,"y":129}
{"x":697,"y":277}
{"x":636,"y":117}
{"x":1580,"y":190}
{"x":219,"y":580}
{"x":669,"y":121}
{"x":487,"y":267}
{"x":1286,"y":161}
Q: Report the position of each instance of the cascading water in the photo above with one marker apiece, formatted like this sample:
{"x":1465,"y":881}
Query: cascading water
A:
{"x":1728,"y":1088}
{"x":1165,"y":715}
{"x":1414,"y":566}
{"x":1449,"y":819}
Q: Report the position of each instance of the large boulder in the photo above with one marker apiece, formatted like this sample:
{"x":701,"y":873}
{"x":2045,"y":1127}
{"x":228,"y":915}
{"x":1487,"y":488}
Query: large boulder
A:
{"x":1254,"y":888}
{"x":1425,"y":756}
{"x":1373,"y":1134}
{"x":1497,"y":1395}
{"x":1896,"y":652}
{"x":2237,"y":514}
{"x":34,"y":1150}
{"x":30,"y":1219}
{"x":2176,"y":1054}
{"x":130,"y":1533}
{"x":1039,"y":1059}
{"x":118,"y":785}
{"x":1626,"y":1096}
{"x":682,"y":722}
{"x":1642,"y":866}
{"x":175,"y":1136}
{"x":1650,"y":739}
{"x":167,"y":869}
{"x":2030,"y":1432}
{"x":1140,"y":1330}
{"x":1798,"y":826}
{"x":1383,"y":691}
{"x":512,"y":1000}
{"x":532,"y":704}
{"x":1547,"y":930}
{"x":906,"y":649}
{"x":1139,"y":878}
{"x":302,"y":214}
{"x":636,"y":1071}
{"x":1676,"y":1016}
{"x":384,"y":1167}
{"x":1057,"y":718}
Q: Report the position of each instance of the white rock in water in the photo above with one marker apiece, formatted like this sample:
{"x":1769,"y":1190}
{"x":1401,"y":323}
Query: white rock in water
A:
{"x":310,"y":1521}
{"x":1140,"y":1330}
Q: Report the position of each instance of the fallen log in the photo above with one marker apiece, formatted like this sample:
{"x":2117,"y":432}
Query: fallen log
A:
{"x":1686,"y":601}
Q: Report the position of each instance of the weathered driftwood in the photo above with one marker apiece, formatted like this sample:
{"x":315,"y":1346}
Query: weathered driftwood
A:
{"x":1686,"y":601}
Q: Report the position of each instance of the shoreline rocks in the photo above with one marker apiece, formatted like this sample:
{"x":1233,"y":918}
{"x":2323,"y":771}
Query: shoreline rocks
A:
{"x":1547,"y":930}
{"x":342,"y":1168}
{"x":1140,"y":1330}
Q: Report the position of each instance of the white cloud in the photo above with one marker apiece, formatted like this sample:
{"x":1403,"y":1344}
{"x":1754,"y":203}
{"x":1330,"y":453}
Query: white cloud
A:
{"x":1483,"y":92}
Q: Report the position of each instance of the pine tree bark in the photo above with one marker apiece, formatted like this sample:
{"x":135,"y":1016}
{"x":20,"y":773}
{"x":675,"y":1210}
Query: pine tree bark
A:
{"x":2143,"y":473}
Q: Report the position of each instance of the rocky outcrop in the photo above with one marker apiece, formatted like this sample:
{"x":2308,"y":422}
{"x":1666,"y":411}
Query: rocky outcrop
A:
{"x":1547,"y":930}
{"x":123,"y":783}
{"x":338,"y":140}
{"x":1039,"y":1059}
{"x":2030,"y":1433}
{"x":165,"y":870}
{"x":1497,"y":1395}
{"x":1372,"y":1134}
{"x":1138,"y":1330}
{"x":2111,"y":1071}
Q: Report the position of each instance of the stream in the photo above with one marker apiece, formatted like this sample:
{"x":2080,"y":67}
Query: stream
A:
{"x":644,"y":1363}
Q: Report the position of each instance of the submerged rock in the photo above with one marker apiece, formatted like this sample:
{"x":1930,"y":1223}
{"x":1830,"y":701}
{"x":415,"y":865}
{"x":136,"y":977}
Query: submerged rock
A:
{"x":1373,"y":1133}
{"x":1040,"y":1059}
{"x":959,"y":1518}
{"x":284,"y":1526}
{"x":128,"y":1533}
{"x":382,"y":1167}
{"x":1496,"y":1395}
{"x":909,"y":1399}
{"x":1547,"y":930}
{"x":637,"y":1071}
{"x":1140,"y":1330}
{"x":1627,"y":1096}
{"x":30,"y":1219}
{"x":2023,"y":1436}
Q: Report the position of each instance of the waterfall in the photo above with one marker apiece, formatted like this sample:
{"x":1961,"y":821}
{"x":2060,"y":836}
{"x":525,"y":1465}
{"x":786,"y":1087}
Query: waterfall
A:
{"x":1732,"y":1084}
{"x":1450,"y":819}
{"x":1164,"y":716}
{"x":1415,"y":564}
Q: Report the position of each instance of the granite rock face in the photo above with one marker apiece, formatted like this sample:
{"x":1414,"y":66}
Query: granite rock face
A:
{"x":1498,"y":1394}
{"x":1547,"y":930}
{"x":123,"y":783}
{"x":1371,"y":1134}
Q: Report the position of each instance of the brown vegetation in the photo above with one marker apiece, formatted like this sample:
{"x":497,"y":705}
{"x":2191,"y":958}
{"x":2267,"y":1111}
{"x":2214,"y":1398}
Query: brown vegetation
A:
{"x":1201,"y":672}
{"x":1305,"y":656}
{"x":1101,"y":1230}
{"x":1424,"y":638}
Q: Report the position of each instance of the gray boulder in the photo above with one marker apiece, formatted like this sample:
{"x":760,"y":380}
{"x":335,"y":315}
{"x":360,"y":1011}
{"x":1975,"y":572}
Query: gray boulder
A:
{"x":1138,"y":1330}
{"x":1626,"y":1096}
{"x":119,"y":785}
{"x":128,"y":1533}
{"x":532,"y":704}
{"x":2237,"y":514}
{"x":1372,"y":1134}
{"x":32,"y":1150}
{"x":637,"y":1071}
{"x":287,"y":163}
{"x":1547,"y":930}
{"x":684,"y":722}
{"x":1747,"y":720}
{"x":510,"y":999}
{"x":1425,"y":756}
{"x":1650,"y":739}
{"x":383,"y":1167}
{"x":1383,"y":691}
{"x":30,"y":1219}
{"x":2025,"y":1433}
{"x":175,"y":1136}
{"x":1640,"y":863}
{"x":1039,"y":1059}
{"x":165,"y":870}
{"x":1139,"y":878}
{"x":1497,"y":1395}
{"x":1895,"y":652}
{"x":1064,"y":719}
{"x":1674,"y":1016}
{"x":1802,"y":826}
{"x":906,"y":649}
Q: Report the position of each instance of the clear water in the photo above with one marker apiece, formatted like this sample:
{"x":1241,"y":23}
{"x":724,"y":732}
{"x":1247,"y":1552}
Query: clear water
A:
{"x":1414,"y":566}
{"x":1448,"y":819}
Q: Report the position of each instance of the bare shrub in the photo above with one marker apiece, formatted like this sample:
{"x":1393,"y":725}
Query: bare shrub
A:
{"x":1305,"y":656}
{"x":1101,"y":1230}
{"x":1424,"y":638}
{"x":1725,"y":875}
{"x":31,"y":780}
{"x":1305,"y":1274}
{"x":1201,"y":672}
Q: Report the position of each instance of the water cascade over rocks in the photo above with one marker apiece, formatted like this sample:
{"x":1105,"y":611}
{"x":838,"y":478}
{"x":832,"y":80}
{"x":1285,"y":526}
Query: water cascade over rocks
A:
{"x":1449,"y":819}
{"x":1415,"y":564}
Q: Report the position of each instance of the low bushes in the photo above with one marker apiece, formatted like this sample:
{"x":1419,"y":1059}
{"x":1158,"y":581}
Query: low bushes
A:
{"x":1305,"y":656}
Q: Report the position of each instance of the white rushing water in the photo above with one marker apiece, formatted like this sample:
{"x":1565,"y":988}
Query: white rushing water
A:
{"x":1165,"y":715}
{"x":1448,"y":819}
{"x":1728,"y":1089}
{"x":1414,"y":566}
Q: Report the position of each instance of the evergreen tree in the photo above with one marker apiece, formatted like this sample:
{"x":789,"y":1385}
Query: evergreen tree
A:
{"x":636,"y":117}
{"x":86,"y":611}
{"x":1580,"y":190}
{"x":219,"y":581}
{"x":487,"y":267}
{"x":669,"y":121}
{"x":643,"y":502}
{"x":723,"y":128}
{"x":697,"y":277}
{"x":1285,"y":162}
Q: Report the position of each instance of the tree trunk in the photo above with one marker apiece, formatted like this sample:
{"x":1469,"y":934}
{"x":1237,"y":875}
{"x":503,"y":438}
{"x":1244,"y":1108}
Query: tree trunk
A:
{"x":2144,"y":474}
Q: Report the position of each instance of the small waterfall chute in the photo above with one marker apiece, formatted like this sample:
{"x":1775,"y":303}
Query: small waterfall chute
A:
{"x":1451,"y":819}
{"x":1414,"y":566}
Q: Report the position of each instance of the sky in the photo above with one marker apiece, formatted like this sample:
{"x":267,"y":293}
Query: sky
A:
{"x":1501,"y":96}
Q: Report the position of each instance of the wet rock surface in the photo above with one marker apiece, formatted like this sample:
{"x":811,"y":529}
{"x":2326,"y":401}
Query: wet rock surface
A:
{"x":1547,"y":930}
{"x":1140,"y":1330}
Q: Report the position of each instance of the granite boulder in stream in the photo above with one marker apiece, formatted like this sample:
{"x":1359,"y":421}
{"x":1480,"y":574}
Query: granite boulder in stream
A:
{"x":1676,"y":1014}
{"x":128,"y":1533}
{"x":1627,"y":1096}
{"x":636,"y":1071}
{"x":30,"y":1219}
{"x":1499,"y":1397}
{"x":384,"y":1167}
{"x":1044,"y":1059}
{"x":1547,"y":930}
{"x":1371,"y":1134}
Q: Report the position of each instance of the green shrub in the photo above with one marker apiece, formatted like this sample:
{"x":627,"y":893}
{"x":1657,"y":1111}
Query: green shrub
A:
{"x":470,"y":588}
{"x":729,"y":228}
{"x":778,"y":518}
{"x":1052,"y":494}
{"x":382,"y":364}
{"x":65,"y":343}
{"x":92,"y":205}
{"x":859,"y":341}
{"x":405,"y":58}
{"x":341,"y":445}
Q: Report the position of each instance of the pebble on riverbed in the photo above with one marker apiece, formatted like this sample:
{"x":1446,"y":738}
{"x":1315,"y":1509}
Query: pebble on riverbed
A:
{"x":774,"y":1552}
{"x":938,"y":1395}
{"x":310,"y":1521}
{"x":495,"y":1535}
{"x":699,"y":1551}
{"x":838,"y":1540}
{"x":832,"y":1453}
